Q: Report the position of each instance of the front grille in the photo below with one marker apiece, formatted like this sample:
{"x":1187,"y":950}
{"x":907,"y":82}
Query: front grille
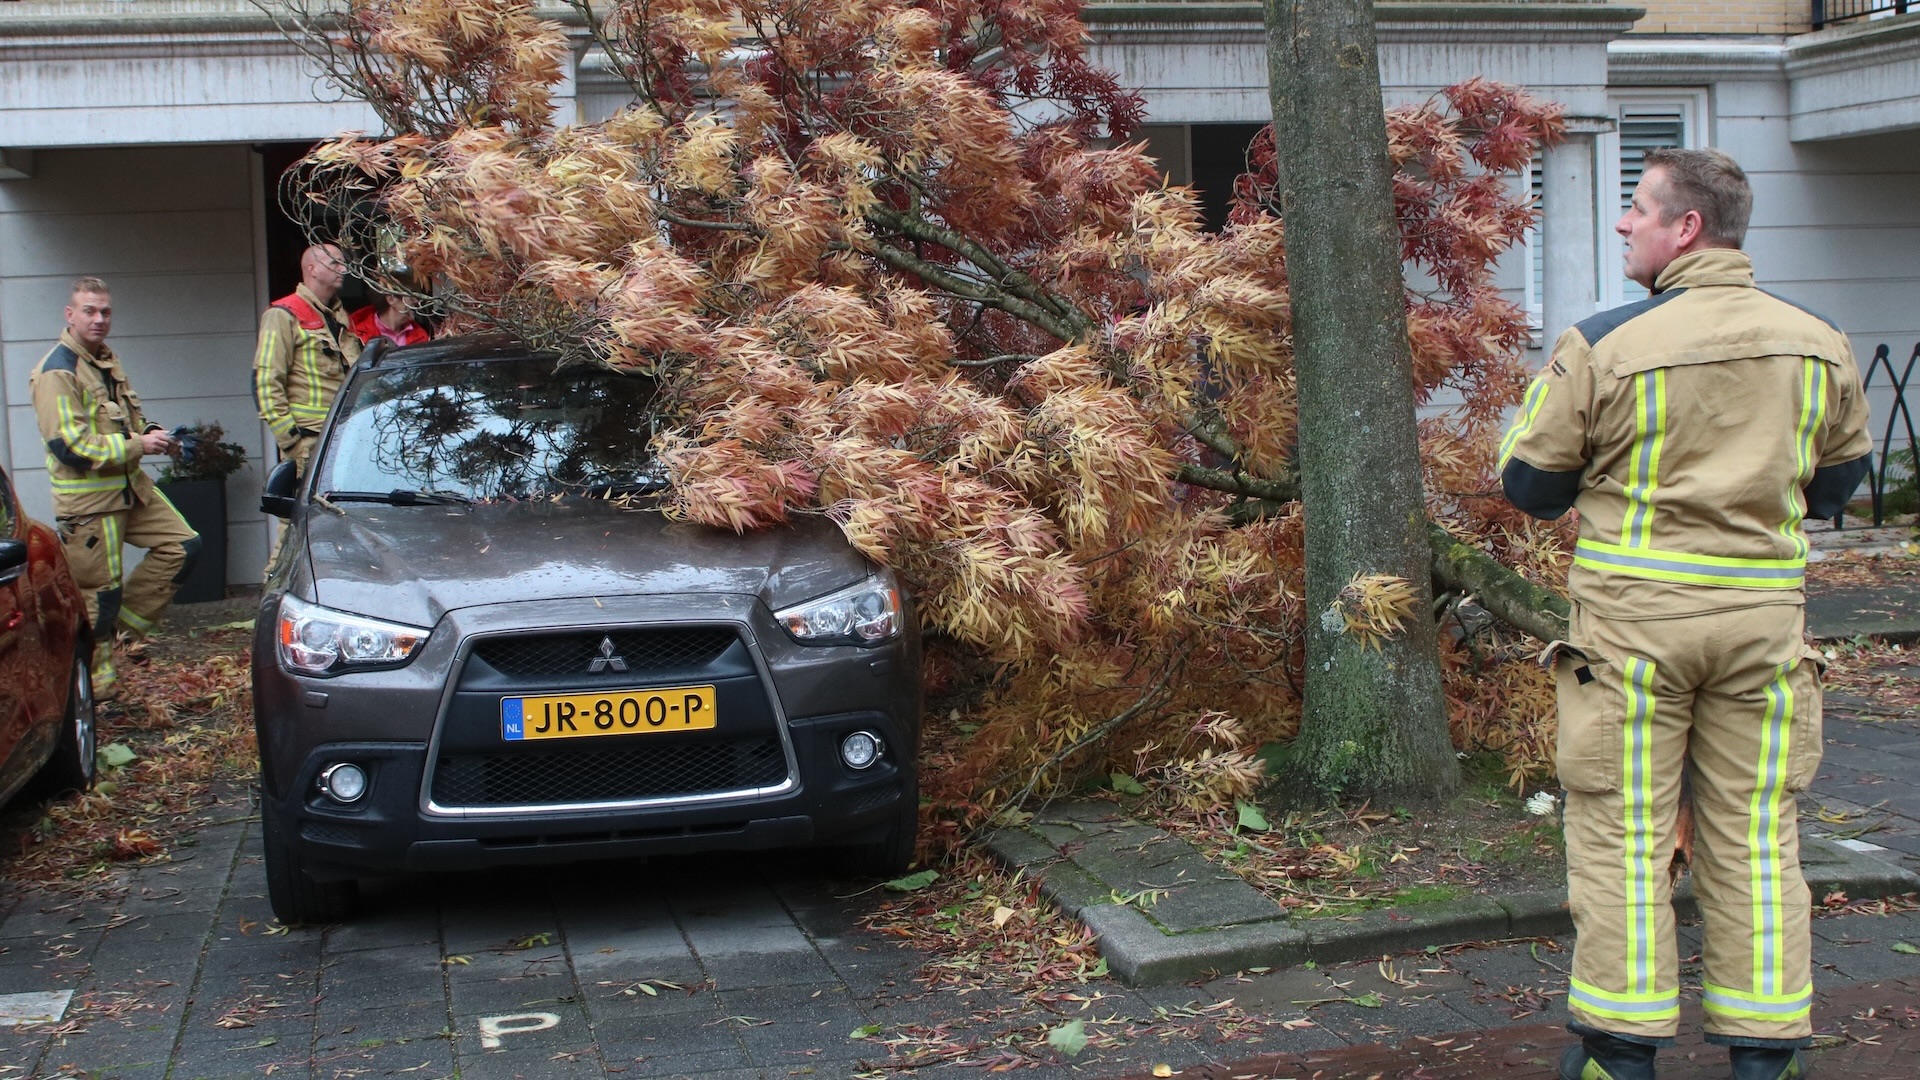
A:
{"x":573,"y":654}
{"x":332,"y":832}
{"x":607,"y":775}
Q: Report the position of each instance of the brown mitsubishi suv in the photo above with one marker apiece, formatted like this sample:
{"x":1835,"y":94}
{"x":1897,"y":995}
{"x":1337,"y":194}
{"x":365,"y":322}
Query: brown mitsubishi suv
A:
{"x":480,"y":646}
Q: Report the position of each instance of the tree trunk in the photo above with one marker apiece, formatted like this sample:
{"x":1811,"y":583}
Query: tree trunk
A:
{"x":1375,"y":721}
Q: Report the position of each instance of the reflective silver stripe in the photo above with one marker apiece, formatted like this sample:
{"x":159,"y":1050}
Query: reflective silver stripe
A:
{"x":1786,"y":1005}
{"x":1678,"y":565}
{"x":1643,"y":470}
{"x":1638,"y":799}
{"x":1652,"y":1005}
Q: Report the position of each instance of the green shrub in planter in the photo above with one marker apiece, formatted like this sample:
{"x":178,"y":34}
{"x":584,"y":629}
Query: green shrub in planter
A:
{"x":195,"y":481}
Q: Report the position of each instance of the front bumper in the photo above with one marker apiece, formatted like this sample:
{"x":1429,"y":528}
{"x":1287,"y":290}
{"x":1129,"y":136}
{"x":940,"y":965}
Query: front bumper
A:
{"x":386,"y":831}
{"x":395,"y":723}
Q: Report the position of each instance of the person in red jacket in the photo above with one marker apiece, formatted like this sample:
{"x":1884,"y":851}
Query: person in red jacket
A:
{"x":388,"y":316}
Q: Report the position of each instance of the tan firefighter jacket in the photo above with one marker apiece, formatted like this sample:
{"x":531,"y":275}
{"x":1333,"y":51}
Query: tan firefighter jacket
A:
{"x":1690,"y":430}
{"x":91,"y":422}
{"x":305,"y":351}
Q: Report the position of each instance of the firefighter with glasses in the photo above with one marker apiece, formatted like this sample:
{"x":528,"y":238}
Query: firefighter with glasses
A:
{"x":1694,"y":431}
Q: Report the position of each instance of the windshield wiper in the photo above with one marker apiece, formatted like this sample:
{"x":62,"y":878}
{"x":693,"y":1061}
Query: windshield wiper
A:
{"x":612,"y":489}
{"x":401,"y":497}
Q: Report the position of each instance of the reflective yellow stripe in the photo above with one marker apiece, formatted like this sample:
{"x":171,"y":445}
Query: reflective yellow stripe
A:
{"x":1529,"y":411}
{"x":88,"y":483}
{"x":1643,"y":457}
{"x":1687,"y":568}
{"x":110,"y":529}
{"x":1770,"y":808}
{"x":1727,"y":1001}
{"x":1813,"y":413}
{"x":135,"y":622}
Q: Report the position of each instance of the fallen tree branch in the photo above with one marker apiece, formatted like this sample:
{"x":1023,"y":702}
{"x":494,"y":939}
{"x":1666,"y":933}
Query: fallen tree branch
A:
{"x":1462,"y":567}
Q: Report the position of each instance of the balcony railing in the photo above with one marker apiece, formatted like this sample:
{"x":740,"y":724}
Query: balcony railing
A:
{"x":1828,"y":12}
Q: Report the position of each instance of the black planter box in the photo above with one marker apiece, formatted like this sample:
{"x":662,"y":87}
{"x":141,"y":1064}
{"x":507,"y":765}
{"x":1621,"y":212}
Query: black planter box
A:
{"x":204,"y":504}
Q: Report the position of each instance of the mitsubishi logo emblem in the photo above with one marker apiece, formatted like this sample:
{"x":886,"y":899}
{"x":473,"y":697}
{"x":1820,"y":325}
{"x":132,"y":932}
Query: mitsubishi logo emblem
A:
{"x":607,"y":661}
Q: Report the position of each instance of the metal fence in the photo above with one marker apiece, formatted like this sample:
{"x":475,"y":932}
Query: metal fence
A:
{"x":1827,"y":12}
{"x":1886,"y":452}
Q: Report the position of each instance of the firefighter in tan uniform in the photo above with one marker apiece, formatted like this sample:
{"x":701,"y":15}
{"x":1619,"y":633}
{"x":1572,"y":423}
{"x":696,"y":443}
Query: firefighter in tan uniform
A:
{"x":307,"y":345}
{"x":96,"y":434}
{"x":1693,"y":431}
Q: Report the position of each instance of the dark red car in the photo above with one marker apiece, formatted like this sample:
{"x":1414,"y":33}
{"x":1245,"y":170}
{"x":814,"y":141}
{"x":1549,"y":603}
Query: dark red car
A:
{"x":46,"y":690}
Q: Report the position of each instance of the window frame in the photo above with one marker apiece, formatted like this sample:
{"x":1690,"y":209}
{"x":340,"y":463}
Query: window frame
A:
{"x":1692,"y":105}
{"x":1610,"y":287}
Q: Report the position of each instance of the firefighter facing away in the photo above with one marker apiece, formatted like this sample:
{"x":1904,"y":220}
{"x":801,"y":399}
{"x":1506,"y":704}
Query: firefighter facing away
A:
{"x":96,"y":434}
{"x":1693,"y":431}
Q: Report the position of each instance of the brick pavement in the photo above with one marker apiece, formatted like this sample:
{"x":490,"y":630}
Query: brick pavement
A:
{"x":182,"y":978}
{"x":1868,"y":1031}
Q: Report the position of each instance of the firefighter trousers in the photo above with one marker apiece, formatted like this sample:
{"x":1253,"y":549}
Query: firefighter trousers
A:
{"x":1734,"y":698}
{"x":93,"y":547}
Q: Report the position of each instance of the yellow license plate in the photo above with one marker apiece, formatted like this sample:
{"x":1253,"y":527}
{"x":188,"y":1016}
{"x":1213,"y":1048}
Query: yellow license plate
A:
{"x":617,"y":712}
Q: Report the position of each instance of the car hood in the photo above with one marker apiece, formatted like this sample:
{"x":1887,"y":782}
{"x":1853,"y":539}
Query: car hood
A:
{"x":412,"y":564}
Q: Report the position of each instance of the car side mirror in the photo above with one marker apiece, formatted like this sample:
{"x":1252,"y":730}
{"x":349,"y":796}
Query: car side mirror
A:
{"x":13,"y":558}
{"x":277,"y":498}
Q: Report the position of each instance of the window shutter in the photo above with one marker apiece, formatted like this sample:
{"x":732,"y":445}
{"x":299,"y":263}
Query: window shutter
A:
{"x":1643,"y":128}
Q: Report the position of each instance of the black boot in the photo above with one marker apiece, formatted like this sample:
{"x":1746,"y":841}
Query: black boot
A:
{"x":1602,"y":1057}
{"x":1767,"y":1063}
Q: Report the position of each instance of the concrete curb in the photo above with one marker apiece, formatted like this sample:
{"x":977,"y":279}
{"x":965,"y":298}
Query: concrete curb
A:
{"x":1071,"y":850}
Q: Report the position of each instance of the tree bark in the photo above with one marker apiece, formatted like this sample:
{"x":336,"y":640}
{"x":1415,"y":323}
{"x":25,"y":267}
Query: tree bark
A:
{"x":1375,"y":721}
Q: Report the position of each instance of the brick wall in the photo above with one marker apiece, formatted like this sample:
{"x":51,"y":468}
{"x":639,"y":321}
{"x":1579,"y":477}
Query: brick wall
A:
{"x":1725,"y":17}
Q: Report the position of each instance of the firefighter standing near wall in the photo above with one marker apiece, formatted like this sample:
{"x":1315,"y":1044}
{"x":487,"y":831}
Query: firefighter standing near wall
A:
{"x":306,"y":348}
{"x":1694,"y":431}
{"x":96,"y":434}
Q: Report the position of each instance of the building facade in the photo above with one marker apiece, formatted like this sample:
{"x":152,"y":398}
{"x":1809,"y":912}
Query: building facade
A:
{"x":140,"y":141}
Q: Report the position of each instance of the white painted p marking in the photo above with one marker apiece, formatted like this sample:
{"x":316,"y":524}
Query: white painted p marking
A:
{"x":492,"y":1027}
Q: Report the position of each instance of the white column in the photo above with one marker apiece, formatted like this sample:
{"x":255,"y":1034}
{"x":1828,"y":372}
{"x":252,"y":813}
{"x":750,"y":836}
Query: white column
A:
{"x":1568,"y":227}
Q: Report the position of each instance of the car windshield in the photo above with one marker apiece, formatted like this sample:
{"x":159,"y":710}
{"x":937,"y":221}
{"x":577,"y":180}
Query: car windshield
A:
{"x":498,"y":429}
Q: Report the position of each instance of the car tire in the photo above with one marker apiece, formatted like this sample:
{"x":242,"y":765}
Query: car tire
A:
{"x":892,"y":854}
{"x":296,"y":897}
{"x":73,"y":765}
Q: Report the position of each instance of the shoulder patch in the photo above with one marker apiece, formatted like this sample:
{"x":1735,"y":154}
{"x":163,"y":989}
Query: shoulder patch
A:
{"x":1802,"y":308}
{"x":1599,"y":326}
{"x":60,"y":359}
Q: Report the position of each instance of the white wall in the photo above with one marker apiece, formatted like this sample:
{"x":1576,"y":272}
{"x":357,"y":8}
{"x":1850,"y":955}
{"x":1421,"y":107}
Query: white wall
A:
{"x":171,"y":229}
{"x":1835,"y":224}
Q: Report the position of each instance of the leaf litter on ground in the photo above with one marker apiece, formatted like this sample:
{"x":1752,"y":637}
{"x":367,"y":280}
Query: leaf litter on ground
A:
{"x":182,"y":726}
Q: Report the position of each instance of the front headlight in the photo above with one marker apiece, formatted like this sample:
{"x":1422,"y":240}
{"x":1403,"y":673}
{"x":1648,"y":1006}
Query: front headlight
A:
{"x":321,"y":641}
{"x":863,"y":614}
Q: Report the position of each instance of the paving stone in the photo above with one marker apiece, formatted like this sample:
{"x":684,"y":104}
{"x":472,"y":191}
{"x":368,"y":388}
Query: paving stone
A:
{"x":371,"y":1028}
{"x":392,"y":976}
{"x":565,"y":1062}
{"x":740,"y":971}
{"x":605,"y":1004}
{"x":394,"y":930}
{"x":555,"y":994}
{"x":52,"y":920}
{"x":654,"y":1039}
{"x":431,"y":1059}
{"x":804,"y":1037}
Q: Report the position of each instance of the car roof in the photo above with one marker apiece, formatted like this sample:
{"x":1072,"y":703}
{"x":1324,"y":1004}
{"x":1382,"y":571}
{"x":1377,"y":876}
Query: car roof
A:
{"x":380,"y":353}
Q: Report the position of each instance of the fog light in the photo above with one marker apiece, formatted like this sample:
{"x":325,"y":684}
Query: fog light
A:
{"x":860,"y":749}
{"x":344,"y":782}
